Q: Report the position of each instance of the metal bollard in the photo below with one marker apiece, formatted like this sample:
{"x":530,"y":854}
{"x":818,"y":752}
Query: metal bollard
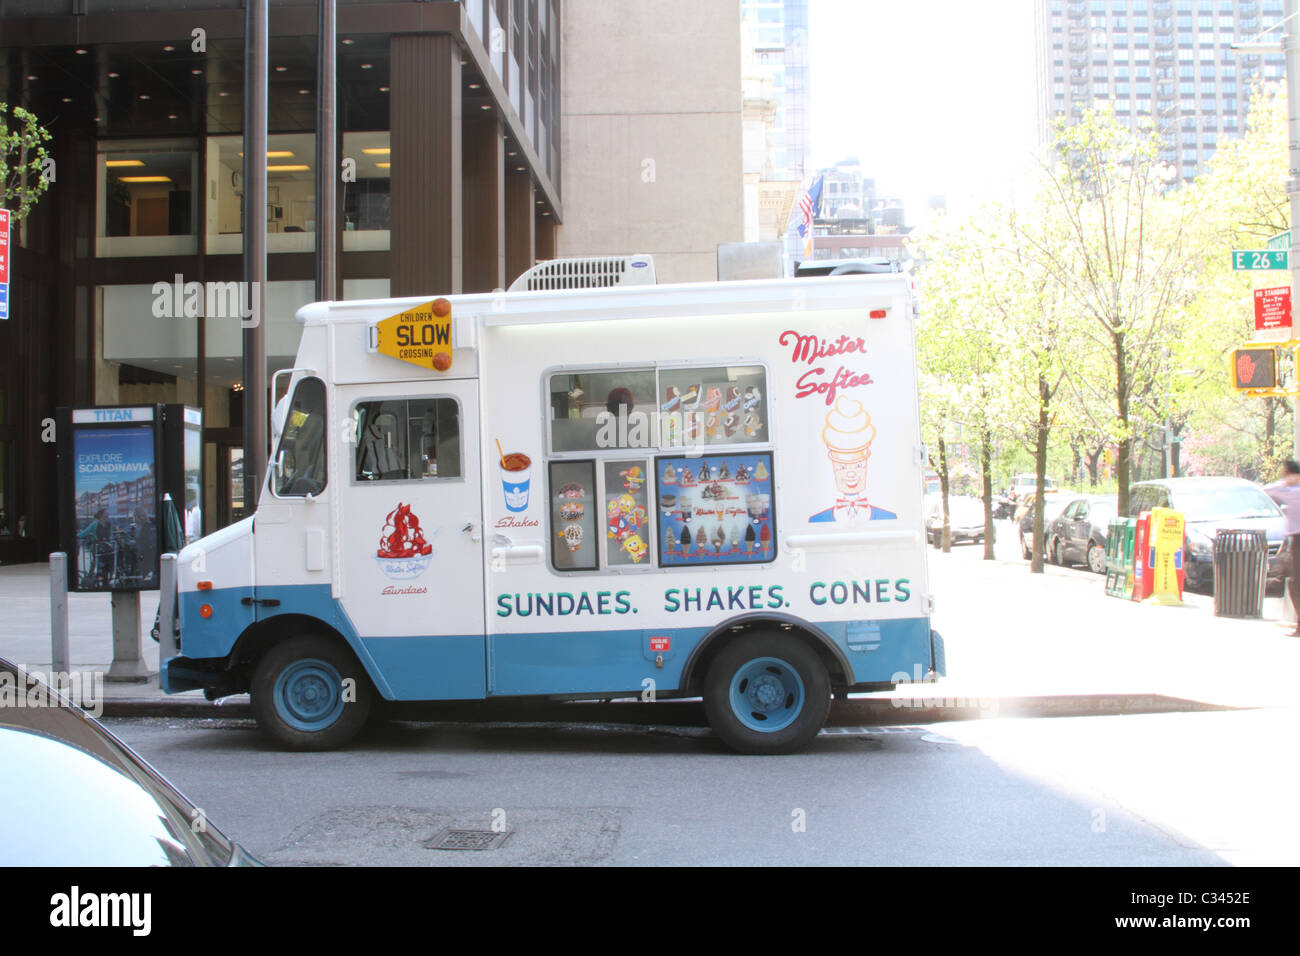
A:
{"x":60,"y":655}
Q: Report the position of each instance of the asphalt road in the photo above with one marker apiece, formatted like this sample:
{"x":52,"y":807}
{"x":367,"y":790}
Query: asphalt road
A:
{"x":1170,"y":789}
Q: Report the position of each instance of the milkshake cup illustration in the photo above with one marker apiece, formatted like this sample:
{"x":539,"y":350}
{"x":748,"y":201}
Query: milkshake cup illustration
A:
{"x":516,"y":478}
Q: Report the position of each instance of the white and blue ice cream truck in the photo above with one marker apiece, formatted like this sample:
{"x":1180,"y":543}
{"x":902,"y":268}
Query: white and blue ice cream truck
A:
{"x":702,"y":490}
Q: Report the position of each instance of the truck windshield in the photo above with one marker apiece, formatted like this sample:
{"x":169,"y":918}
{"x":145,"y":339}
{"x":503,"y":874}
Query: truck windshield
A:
{"x":300,"y":460}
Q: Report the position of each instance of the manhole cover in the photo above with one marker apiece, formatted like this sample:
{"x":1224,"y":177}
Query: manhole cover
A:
{"x":448,"y":839}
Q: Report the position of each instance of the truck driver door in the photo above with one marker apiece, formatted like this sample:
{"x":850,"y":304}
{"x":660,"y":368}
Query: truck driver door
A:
{"x":411,"y":535}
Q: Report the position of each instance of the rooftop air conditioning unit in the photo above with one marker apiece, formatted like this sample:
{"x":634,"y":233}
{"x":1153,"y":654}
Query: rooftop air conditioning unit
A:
{"x":587,"y":272}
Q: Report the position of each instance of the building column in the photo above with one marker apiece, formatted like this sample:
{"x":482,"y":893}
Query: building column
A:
{"x":484,"y":199}
{"x":426,"y":250}
{"x":546,"y":236}
{"x":521,"y":225}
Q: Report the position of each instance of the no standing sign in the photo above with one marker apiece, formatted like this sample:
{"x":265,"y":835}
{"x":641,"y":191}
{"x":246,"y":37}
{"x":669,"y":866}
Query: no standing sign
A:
{"x":4,"y":263}
{"x":1273,"y":308}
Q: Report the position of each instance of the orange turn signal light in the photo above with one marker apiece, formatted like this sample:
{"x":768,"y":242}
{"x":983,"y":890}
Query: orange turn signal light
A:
{"x":205,"y":611}
{"x":204,"y":585}
{"x":878,"y":313}
{"x":441,"y":308}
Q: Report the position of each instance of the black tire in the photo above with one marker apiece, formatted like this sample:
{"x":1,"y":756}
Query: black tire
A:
{"x":311,"y":665}
{"x":1024,"y":549}
{"x":1054,"y":552}
{"x":806,"y":720}
{"x":1093,"y":561}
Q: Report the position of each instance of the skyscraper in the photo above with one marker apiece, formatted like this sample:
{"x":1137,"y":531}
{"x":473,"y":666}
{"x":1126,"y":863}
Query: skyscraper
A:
{"x":779,"y":29}
{"x":1166,"y":62}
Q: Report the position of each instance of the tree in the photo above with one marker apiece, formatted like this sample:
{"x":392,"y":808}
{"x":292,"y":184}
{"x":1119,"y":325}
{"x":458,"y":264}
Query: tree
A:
{"x":24,"y":161}
{"x":1121,"y":260}
{"x":1240,"y":203}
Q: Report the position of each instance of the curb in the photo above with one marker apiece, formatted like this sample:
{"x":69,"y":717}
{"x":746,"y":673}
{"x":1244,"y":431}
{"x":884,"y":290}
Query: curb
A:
{"x":881,"y":711}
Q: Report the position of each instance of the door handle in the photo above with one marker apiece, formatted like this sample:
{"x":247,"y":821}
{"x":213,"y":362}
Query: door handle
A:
{"x":469,"y":529}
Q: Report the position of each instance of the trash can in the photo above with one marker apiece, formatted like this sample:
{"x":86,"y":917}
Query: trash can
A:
{"x":1240,"y":573}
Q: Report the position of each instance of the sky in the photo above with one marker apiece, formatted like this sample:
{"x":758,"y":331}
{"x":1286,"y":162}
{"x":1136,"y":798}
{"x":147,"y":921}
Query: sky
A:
{"x":932,"y":96}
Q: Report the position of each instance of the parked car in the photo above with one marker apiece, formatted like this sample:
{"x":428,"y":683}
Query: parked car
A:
{"x":965,"y":520}
{"x":1208,"y":506}
{"x":1078,"y":534}
{"x":73,"y":794}
{"x":1053,"y":505}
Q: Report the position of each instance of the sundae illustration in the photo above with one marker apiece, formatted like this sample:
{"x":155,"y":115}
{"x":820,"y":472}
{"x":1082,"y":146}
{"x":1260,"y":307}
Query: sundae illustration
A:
{"x":403,"y":552}
{"x":848,"y":435}
{"x":572,"y":535}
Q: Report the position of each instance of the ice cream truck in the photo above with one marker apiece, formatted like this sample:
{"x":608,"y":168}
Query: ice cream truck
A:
{"x":700,"y":490}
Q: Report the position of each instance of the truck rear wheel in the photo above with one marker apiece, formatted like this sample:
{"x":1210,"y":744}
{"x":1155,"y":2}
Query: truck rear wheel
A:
{"x":309,"y":693}
{"x":766,"y":694}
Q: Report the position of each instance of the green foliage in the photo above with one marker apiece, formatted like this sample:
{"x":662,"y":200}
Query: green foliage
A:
{"x":23,"y":160}
{"x":1095,"y":308}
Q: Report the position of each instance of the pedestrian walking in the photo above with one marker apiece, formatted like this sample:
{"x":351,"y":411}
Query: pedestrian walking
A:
{"x":1286,"y":492}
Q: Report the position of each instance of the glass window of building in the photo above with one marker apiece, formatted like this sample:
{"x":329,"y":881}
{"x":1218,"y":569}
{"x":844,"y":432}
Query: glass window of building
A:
{"x":290,"y":193}
{"x":146,"y":198}
{"x":365,"y":214}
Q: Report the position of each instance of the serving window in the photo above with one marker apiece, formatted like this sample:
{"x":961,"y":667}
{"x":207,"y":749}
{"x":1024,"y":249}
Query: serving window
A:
{"x":407,"y":439}
{"x":707,"y":505}
{"x":658,"y":408}
{"x":586,"y":408}
{"x":716,"y":406}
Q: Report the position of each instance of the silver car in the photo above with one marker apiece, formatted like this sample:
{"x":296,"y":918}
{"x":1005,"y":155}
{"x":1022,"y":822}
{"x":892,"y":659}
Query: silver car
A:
{"x":72,"y":794}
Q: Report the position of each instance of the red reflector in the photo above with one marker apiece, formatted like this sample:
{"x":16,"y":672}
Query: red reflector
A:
{"x":205,"y":611}
{"x":204,"y":585}
{"x":877,"y":313}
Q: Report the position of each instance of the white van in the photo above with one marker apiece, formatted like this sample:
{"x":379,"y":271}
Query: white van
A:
{"x":659,"y":491}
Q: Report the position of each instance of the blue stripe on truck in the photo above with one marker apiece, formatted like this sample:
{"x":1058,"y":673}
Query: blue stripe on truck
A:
{"x":452,"y":667}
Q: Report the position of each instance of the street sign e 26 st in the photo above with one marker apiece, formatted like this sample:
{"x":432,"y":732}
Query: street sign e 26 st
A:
{"x":1260,"y":259}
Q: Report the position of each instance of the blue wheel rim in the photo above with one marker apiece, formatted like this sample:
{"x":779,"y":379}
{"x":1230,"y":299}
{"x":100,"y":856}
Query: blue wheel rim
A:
{"x":309,"y":695}
{"x":766,"y":695}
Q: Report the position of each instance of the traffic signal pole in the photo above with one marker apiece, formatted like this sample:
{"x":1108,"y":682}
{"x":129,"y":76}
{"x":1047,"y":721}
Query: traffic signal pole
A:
{"x":1291,"y":47}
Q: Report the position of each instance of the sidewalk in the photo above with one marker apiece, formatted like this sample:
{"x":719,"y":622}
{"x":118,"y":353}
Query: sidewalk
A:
{"x":1009,"y":632}
{"x":1010,"y":636}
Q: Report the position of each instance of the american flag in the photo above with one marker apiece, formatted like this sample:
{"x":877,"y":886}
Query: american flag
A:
{"x":810,"y":204}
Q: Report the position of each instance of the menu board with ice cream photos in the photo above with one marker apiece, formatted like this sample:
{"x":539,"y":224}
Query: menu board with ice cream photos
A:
{"x":715,"y":406}
{"x":573,"y":517}
{"x":715,"y":509}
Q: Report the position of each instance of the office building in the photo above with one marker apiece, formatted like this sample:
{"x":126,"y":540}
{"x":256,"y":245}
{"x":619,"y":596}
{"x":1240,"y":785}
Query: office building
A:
{"x":1168,"y":63}
{"x":454,"y":155}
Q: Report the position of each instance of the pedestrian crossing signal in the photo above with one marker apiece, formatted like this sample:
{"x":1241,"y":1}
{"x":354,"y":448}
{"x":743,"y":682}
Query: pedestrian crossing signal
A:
{"x":1254,"y":368}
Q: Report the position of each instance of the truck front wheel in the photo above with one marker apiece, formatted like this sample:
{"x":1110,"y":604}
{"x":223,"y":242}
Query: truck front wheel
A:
{"x":309,"y":693}
{"x":766,"y":694}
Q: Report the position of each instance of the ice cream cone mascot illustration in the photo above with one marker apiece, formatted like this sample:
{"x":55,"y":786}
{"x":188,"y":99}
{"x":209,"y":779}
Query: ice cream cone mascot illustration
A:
{"x":848,"y":435}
